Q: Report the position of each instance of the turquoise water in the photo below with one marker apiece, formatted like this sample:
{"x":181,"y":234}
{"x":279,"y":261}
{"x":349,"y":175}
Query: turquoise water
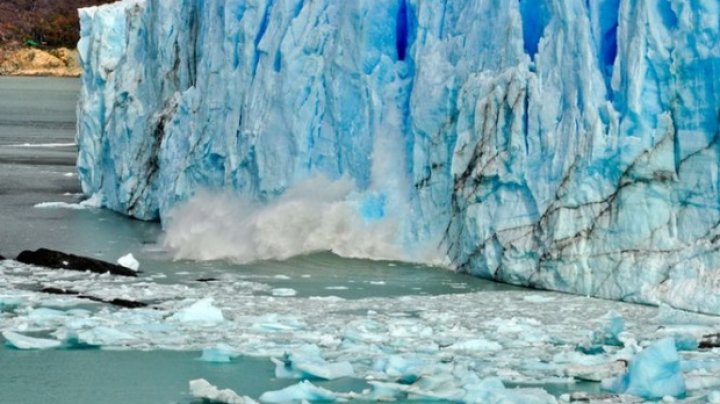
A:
{"x":94,"y":376}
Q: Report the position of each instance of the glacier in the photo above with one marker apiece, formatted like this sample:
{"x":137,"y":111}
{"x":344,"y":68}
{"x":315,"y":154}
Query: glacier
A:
{"x":566,"y":145}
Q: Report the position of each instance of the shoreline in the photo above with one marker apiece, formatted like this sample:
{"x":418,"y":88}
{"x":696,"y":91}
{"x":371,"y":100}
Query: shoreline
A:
{"x":47,"y":75}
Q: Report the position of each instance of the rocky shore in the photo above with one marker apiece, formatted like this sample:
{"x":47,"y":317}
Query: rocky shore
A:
{"x":58,"y":62}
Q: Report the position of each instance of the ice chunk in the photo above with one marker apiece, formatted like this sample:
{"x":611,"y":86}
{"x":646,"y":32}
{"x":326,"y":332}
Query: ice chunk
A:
{"x":470,"y":390}
{"x":607,"y":334}
{"x":298,"y":392}
{"x":401,"y":369}
{"x":104,"y":336}
{"x":492,"y":390}
{"x":284,"y":292}
{"x":476,"y":344}
{"x":306,"y":363}
{"x":654,"y":373}
{"x":129,"y":261}
{"x":21,"y":341}
{"x":220,"y":354}
{"x":59,"y":205}
{"x":201,"y":311}
{"x":9,"y":303}
{"x":203,"y":390}
{"x":685,"y":342}
{"x":596,"y":373}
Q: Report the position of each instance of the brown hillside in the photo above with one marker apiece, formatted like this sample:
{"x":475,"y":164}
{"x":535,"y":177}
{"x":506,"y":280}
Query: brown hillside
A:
{"x":50,"y":23}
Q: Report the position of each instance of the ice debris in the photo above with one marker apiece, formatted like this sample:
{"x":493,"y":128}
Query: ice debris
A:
{"x":471,"y":390}
{"x":129,"y":261}
{"x":94,"y":201}
{"x":21,"y":341}
{"x":298,"y":392}
{"x":220,"y":353}
{"x":283,"y":292}
{"x":203,"y":390}
{"x":307,"y":363}
{"x":607,"y":335}
{"x":201,"y":311}
{"x":59,"y":205}
{"x":399,"y":368}
{"x":653,"y":374}
{"x":409,"y":342}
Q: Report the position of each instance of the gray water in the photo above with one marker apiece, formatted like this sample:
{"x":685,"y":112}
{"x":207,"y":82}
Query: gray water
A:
{"x":42,"y":111}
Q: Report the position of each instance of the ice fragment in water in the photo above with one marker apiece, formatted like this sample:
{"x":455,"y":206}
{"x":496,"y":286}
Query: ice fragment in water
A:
{"x":129,"y":261}
{"x":306,"y":363}
{"x":203,"y":390}
{"x":298,"y":392}
{"x":219,"y":354}
{"x":653,"y":374}
{"x":21,"y":341}
{"x":284,"y":292}
{"x":201,"y":311}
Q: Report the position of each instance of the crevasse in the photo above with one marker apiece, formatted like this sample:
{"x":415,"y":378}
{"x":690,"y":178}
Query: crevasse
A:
{"x":568,"y":145}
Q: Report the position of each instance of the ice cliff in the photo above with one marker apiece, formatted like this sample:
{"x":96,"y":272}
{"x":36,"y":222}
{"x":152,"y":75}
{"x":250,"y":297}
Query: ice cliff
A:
{"x":561,"y":144}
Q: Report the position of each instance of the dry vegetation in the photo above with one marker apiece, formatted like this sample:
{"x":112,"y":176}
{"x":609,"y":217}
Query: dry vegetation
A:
{"x":51,"y":23}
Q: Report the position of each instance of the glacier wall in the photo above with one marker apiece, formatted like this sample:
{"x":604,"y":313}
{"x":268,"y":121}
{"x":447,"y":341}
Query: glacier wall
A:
{"x":561,"y":144}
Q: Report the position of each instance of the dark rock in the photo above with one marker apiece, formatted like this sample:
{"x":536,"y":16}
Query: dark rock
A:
{"x":129,"y":304}
{"x":2,"y":258}
{"x":59,"y":260}
{"x":207,"y":280}
{"x":710,"y":341}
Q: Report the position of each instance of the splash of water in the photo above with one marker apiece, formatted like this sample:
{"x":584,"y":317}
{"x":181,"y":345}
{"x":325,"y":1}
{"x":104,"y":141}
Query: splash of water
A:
{"x":315,"y":215}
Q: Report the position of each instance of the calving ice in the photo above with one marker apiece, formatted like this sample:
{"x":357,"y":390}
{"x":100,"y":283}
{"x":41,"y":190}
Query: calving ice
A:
{"x":562,"y":144}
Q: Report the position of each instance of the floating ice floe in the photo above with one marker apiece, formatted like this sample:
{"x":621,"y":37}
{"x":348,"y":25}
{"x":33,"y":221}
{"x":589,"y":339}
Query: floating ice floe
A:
{"x":608,"y":334}
{"x":203,"y":390}
{"x":59,"y":205}
{"x":298,"y":392}
{"x":129,"y":261}
{"x":42,"y":145}
{"x":469,"y":389}
{"x":94,"y":201}
{"x":21,"y":341}
{"x":283,"y":292}
{"x":105,"y":336}
{"x":400,"y":369}
{"x":220,"y":353}
{"x":8,"y":303}
{"x":654,"y":373}
{"x":306,"y":363}
{"x":201,"y":311}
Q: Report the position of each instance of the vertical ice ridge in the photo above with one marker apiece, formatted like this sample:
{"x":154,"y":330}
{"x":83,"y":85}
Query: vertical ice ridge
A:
{"x":568,"y":145}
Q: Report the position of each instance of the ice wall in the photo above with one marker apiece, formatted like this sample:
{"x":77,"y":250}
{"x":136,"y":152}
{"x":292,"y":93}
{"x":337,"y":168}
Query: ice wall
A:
{"x":561,"y":144}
